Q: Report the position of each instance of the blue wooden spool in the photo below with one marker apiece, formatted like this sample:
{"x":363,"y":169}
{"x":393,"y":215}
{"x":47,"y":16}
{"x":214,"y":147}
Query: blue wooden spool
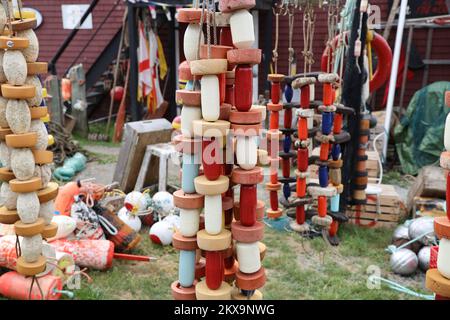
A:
{"x":190,"y":172}
{"x":186,"y":268}
{"x":287,"y":143}
{"x":288,"y":93}
{"x":286,"y":190}
{"x":336,"y":151}
{"x":327,"y":122}
{"x":335,"y":203}
{"x":323,"y":176}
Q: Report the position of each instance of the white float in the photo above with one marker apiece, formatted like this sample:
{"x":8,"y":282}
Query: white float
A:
{"x":246,"y":152}
{"x":188,"y":115}
{"x":242,"y":29}
{"x":191,"y":44}
{"x":443,"y":260}
{"x":189,"y":222}
{"x":213,"y":214}
{"x":248,"y":256}
{"x":210,"y":98}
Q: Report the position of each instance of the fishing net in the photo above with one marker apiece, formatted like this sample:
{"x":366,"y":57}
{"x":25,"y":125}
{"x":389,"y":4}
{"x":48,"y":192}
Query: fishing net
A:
{"x":419,"y":137}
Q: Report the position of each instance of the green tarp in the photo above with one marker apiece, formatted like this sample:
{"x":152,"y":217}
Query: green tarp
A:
{"x":419,"y":137}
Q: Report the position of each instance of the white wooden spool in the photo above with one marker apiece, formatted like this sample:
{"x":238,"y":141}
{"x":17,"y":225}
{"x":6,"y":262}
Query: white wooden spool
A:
{"x":188,"y":115}
{"x":242,"y":29}
{"x":246,"y":152}
{"x":447,"y":133}
{"x":248,"y":256}
{"x":443,"y":260}
{"x":191,"y":44}
{"x":210,"y":98}
{"x":213,"y":214}
{"x":189,"y":222}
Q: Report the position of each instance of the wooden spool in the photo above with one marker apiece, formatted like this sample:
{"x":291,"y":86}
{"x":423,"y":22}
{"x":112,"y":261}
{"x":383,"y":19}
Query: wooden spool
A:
{"x":38,"y":112}
{"x":6,"y":175}
{"x":29,"y":229}
{"x":42,"y":157}
{"x":31,"y":185}
{"x":437,"y":283}
{"x":13,"y":43}
{"x":4,"y":132}
{"x":35,"y":68}
{"x":181,"y":293}
{"x":50,"y":231}
{"x":18,"y":92}
{"x":24,"y":24}
{"x":204,"y":293}
{"x":8,"y":216}
{"x":31,"y":269}
{"x":49,"y":193}
{"x":26,"y":140}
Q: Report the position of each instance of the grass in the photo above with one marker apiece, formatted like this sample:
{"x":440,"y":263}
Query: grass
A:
{"x":296,"y":269}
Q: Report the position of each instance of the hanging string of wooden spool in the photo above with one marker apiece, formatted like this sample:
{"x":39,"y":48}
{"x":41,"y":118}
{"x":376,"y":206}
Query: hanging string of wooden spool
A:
{"x":304,"y":130}
{"x":274,"y":107}
{"x":308,"y":36}
{"x":286,"y":154}
{"x":27,"y":141}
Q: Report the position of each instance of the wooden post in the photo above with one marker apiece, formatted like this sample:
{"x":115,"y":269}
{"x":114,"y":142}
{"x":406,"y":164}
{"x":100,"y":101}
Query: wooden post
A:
{"x":55,"y":100}
{"x":79,"y":104}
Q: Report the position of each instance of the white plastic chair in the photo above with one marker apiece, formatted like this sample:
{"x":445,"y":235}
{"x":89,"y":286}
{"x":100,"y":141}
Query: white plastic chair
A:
{"x":374,"y":189}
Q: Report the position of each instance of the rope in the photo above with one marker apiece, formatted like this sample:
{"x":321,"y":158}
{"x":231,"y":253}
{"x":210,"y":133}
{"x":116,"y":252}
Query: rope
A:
{"x":308,"y":37}
{"x":33,"y":280}
{"x":291,"y":35}
{"x":398,"y":287}
{"x":392,"y":248}
{"x":202,"y":17}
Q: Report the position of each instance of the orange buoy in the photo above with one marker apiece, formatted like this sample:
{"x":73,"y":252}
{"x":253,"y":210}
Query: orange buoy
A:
{"x":16,"y":286}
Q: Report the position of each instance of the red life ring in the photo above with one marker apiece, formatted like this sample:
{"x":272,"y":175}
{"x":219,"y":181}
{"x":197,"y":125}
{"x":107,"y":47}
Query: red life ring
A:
{"x":382,"y":51}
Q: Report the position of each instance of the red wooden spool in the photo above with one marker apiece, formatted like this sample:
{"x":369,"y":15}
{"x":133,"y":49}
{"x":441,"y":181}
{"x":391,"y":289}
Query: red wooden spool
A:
{"x":324,"y":151}
{"x":301,"y":187}
{"x":305,"y":97}
{"x":247,"y":202}
{"x":322,"y":206}
{"x":275,"y":92}
{"x":243,"y":96}
{"x":286,"y":167}
{"x":302,"y":128}
{"x":274,"y":120}
{"x":222,"y":87}
{"x":213,"y":170}
{"x":300,"y":215}
{"x":225,"y":37}
{"x":214,"y":269}
{"x":327,"y":94}
{"x":302,"y":159}
{"x":337,"y":126}
{"x":288,"y":118}
{"x":273,"y":200}
{"x":333,"y":228}
{"x":229,"y":94}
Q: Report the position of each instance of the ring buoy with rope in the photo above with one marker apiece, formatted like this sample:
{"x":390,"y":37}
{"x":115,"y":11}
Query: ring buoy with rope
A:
{"x":382,"y":51}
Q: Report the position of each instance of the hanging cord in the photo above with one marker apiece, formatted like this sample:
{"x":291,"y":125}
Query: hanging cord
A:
{"x":308,"y":37}
{"x":208,"y":31}
{"x":291,"y":50}
{"x":398,"y":287}
{"x":19,"y":8}
{"x":8,"y":15}
{"x":200,"y":31}
{"x":214,"y":21}
{"x":277,"y":9}
{"x":34,"y":279}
